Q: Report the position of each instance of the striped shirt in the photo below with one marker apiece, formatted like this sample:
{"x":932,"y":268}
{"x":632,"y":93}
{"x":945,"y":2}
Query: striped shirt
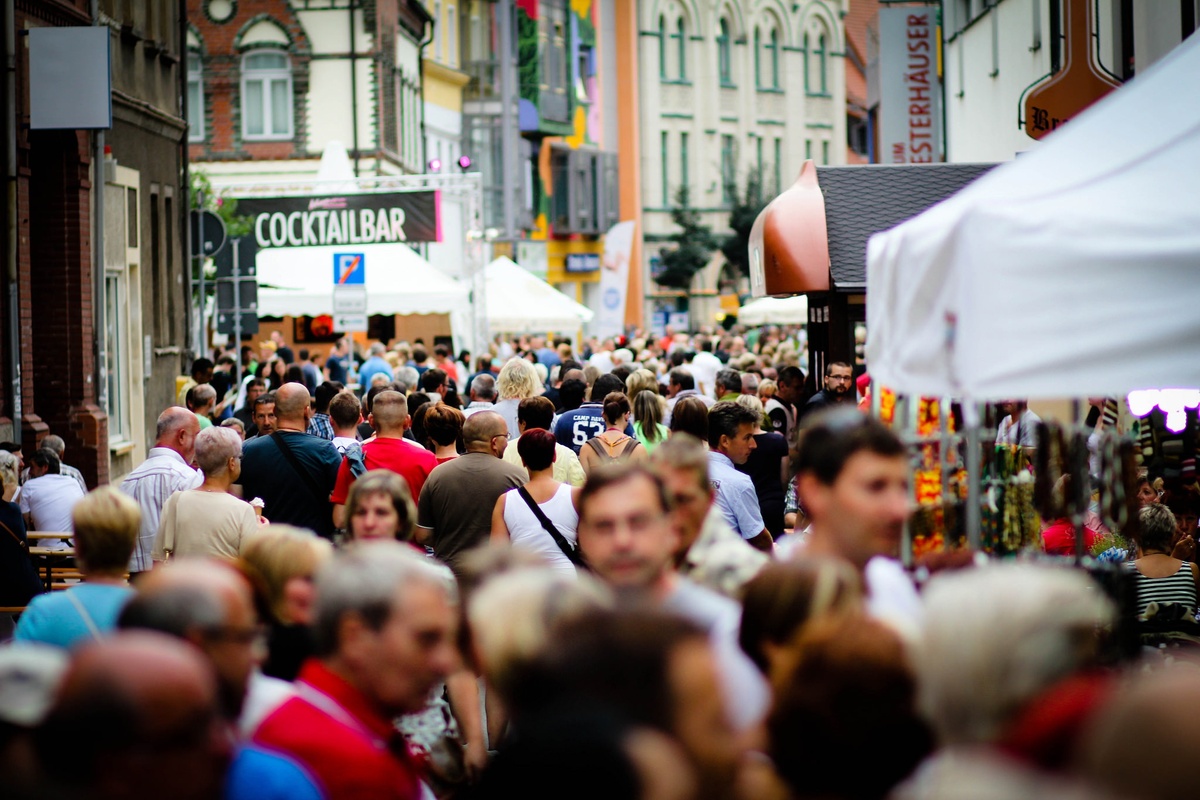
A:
{"x":162,"y":474}
{"x":1177,"y":588}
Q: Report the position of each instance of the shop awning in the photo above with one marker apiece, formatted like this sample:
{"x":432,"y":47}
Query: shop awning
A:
{"x":775,"y":311}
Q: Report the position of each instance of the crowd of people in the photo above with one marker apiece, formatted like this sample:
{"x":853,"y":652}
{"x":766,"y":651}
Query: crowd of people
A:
{"x":663,"y":570}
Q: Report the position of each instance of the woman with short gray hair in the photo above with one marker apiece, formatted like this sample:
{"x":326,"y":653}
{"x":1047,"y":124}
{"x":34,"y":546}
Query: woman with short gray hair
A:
{"x":208,"y":520}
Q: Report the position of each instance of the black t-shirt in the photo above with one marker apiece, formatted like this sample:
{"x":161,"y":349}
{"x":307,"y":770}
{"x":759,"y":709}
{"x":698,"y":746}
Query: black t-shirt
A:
{"x":764,"y":467}
{"x":289,"y":497}
{"x":337,"y":368}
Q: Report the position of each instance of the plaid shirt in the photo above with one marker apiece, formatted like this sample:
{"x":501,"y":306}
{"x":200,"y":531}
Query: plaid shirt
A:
{"x":321,"y":426}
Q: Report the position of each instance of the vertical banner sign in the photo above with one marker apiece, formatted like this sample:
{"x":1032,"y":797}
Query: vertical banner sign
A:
{"x":614,"y":279}
{"x":910,"y":92}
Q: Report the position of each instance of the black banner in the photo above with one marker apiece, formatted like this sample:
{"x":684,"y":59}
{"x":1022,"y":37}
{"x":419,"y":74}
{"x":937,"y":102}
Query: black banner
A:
{"x":376,"y":218}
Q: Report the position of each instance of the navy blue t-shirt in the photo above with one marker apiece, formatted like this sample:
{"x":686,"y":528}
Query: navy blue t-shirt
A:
{"x":288,"y":497}
{"x":574,"y":428}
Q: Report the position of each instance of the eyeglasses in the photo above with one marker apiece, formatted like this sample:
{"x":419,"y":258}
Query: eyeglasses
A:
{"x":499,"y":436}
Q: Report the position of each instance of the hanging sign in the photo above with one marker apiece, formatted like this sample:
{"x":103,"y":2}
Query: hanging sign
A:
{"x":373,"y":218}
{"x":909,"y":115}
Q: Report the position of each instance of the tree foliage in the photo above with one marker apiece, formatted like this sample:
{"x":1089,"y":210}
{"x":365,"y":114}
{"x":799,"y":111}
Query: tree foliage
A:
{"x":693,"y":245}
{"x":224,"y":207}
{"x":747,"y":205}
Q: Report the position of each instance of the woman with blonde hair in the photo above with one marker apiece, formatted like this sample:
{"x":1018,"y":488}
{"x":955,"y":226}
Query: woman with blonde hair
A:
{"x":517,"y":380}
{"x":640,"y":380}
{"x":380,"y":506}
{"x":19,"y":580}
{"x":106,"y":527}
{"x":287,"y":558}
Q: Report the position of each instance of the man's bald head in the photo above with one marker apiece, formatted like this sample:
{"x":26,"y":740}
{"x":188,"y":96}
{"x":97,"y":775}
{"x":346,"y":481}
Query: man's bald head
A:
{"x":574,"y":375}
{"x":177,"y":429}
{"x":209,"y":604}
{"x":291,"y":402}
{"x":389,"y":413}
{"x":136,"y":693}
{"x":480,"y":428}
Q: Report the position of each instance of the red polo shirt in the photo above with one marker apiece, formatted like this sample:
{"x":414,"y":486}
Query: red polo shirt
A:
{"x":351,"y":749}
{"x":407,"y":459}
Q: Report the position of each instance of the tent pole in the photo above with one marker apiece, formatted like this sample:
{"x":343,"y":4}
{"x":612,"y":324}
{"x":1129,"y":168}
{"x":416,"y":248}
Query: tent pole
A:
{"x":971,"y":426}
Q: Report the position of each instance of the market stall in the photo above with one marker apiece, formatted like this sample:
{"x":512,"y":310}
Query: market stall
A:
{"x":775,"y":311}
{"x":520,"y":302}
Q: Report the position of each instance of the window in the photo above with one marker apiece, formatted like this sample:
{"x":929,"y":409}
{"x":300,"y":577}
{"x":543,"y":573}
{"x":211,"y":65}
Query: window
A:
{"x":115,"y":345}
{"x":266,"y":96}
{"x":195,"y":98}
{"x":680,"y":37}
{"x":555,"y":103}
{"x":662,"y":48}
{"x":778,"y":165}
{"x":452,"y":36}
{"x":825,"y":152}
{"x":438,"y":32}
{"x":807,"y":74}
{"x":662,"y":160}
{"x":758,"y":146}
{"x":822,"y":63}
{"x":807,"y":149}
{"x":773,"y":56}
{"x":758,"y":81}
{"x":683,"y":160}
{"x":724,"y":54}
{"x":728,"y":170}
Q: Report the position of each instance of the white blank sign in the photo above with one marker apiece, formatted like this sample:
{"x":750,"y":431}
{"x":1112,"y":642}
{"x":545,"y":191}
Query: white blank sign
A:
{"x":69,"y":78}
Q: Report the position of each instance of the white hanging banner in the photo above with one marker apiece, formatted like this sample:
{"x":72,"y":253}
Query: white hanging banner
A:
{"x":614,"y":279}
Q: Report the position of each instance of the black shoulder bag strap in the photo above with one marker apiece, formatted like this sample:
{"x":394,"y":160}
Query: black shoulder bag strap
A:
{"x":286,"y":449}
{"x":570,"y":552}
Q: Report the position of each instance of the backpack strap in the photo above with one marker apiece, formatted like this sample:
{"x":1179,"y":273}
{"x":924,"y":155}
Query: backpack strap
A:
{"x":594,"y":443}
{"x":286,"y":449}
{"x":630,"y":446}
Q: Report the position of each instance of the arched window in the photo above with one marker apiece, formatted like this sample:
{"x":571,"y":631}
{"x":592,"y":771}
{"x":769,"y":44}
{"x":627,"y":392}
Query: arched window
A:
{"x":266,"y":95}
{"x":758,"y":81}
{"x":195,"y":97}
{"x":822,"y":63}
{"x":680,"y":37}
{"x":662,"y":48}
{"x":724,"y":54}
{"x":773,"y":56}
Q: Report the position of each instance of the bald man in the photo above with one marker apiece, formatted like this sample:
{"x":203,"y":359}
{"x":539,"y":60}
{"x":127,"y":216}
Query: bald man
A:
{"x":449,"y":522}
{"x":388,"y":450}
{"x":292,"y":471}
{"x":166,"y":470}
{"x":137,"y":716}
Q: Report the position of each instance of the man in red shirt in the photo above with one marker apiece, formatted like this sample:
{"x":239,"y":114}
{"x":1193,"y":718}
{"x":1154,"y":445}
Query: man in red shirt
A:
{"x":384,"y":640}
{"x":388,"y":450}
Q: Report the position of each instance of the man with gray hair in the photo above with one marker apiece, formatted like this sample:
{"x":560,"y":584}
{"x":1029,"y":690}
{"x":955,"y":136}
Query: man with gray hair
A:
{"x":55,"y":443}
{"x":200,"y":400}
{"x":384,"y":631}
{"x":292,"y":471}
{"x":375,"y":365}
{"x":483,"y":394}
{"x":166,"y":470}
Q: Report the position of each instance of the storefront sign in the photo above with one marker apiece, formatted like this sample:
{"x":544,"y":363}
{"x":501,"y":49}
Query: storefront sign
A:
{"x":909,"y":115}
{"x":583,"y":262}
{"x":375,"y":218}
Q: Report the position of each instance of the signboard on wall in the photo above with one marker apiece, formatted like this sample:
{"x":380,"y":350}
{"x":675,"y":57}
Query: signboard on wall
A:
{"x":370,"y":218}
{"x":910,"y":91}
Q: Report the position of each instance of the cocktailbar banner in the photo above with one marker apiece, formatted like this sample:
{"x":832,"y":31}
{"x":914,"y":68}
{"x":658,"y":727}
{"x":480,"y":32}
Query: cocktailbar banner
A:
{"x":371,"y":218}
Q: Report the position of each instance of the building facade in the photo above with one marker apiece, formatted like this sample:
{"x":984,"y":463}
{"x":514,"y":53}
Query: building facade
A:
{"x":442,"y":89}
{"x":725,"y":89}
{"x":272,"y":83}
{"x":94,"y":336}
{"x":995,"y":52}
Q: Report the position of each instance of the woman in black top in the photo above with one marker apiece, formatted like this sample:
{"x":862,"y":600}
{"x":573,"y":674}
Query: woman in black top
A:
{"x":767,"y":469}
{"x":19,"y":580}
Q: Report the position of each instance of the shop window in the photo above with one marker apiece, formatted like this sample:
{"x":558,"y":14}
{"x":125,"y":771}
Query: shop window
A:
{"x":195,"y":98}
{"x":266,"y":95}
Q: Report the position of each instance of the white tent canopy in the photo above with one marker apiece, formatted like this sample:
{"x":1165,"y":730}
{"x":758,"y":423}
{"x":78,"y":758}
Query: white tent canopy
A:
{"x":520,"y":302}
{"x":1074,"y":270}
{"x":775,"y":311}
{"x":298,"y":281}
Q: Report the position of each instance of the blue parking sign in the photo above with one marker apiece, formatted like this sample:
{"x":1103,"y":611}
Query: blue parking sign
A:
{"x":349,"y":270}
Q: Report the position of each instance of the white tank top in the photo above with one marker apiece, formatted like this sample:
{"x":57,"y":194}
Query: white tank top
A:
{"x":528,"y":534}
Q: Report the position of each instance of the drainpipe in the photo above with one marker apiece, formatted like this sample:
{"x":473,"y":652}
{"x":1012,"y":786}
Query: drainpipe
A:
{"x":98,"y":294}
{"x":9,"y":99}
{"x":421,"y":45}
{"x":184,"y":203}
{"x":353,"y":87}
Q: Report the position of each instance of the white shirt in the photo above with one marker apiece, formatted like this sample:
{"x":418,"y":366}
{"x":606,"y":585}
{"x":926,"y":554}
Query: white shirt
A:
{"x":1024,"y":429}
{"x":49,"y":500}
{"x":602,"y":360}
{"x":162,"y":474}
{"x":704,"y":369}
{"x":478,"y":405}
{"x":526,"y":532}
{"x":342,"y":442}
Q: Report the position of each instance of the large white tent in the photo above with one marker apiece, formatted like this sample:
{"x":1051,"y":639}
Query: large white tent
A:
{"x":1074,"y":270}
{"x":520,"y":302}
{"x":775,"y":311}
{"x":298,"y":281}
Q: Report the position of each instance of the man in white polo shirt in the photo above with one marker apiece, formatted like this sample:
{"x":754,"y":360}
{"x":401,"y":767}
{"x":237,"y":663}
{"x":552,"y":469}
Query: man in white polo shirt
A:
{"x":48,"y":497}
{"x":730,"y":439}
